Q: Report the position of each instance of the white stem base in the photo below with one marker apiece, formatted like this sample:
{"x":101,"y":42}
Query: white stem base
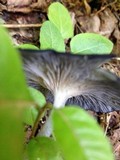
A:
{"x":47,"y":128}
{"x":59,"y":99}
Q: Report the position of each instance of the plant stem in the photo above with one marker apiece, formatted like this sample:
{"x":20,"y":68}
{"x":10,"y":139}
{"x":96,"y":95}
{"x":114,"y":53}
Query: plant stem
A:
{"x":41,"y":114}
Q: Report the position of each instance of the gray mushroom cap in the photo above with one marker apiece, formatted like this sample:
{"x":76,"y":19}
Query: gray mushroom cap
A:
{"x":72,"y":79}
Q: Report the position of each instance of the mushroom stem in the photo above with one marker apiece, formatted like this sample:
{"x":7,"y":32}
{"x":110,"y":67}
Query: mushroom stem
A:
{"x":47,"y":128}
{"x":60,"y":99}
{"x":59,"y":102}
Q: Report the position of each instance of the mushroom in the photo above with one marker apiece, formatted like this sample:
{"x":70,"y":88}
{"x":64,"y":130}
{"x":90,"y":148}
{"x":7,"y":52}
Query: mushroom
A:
{"x":72,"y":79}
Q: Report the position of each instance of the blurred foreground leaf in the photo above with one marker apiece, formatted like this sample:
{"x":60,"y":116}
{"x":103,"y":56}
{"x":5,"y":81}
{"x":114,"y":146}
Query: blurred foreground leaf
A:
{"x":79,"y":136}
{"x":11,"y":133}
{"x":12,"y":81}
{"x":14,"y":96}
{"x":43,"y":148}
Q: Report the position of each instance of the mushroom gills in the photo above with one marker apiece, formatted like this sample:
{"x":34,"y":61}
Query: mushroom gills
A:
{"x":67,"y":79}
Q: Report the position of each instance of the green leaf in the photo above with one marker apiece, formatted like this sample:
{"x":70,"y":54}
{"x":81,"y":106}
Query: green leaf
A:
{"x":60,"y":16}
{"x":43,"y":148}
{"x":30,"y":115}
{"x":14,"y":96}
{"x":27,"y":46}
{"x":79,"y":136}
{"x":38,"y":97}
{"x":11,"y":132}
{"x":12,"y":81}
{"x":90,"y":43}
{"x":50,"y":37}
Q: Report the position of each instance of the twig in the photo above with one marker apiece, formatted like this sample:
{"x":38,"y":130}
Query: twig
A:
{"x":107,"y":116}
{"x":21,"y":25}
{"x":107,"y":5}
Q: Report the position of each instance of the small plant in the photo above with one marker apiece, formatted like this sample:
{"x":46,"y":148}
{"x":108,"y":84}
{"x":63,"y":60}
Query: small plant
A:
{"x":59,"y":28}
{"x":61,"y":24}
{"x":71,"y":125}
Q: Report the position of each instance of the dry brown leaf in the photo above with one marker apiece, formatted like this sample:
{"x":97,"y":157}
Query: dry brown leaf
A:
{"x":89,"y":23}
{"x":108,"y":22}
{"x":19,"y":3}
